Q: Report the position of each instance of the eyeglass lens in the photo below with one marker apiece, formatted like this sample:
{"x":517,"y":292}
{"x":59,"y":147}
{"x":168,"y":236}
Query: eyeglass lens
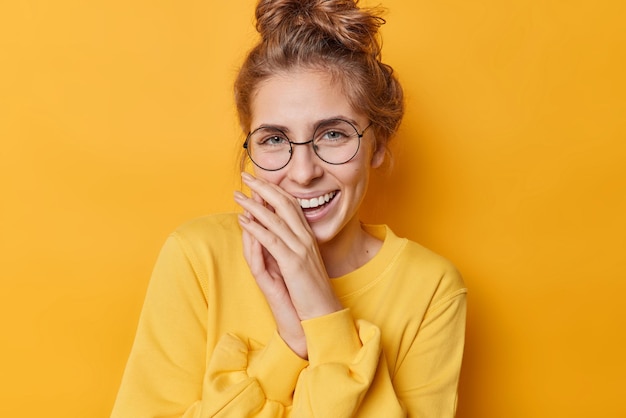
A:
{"x":335,"y":142}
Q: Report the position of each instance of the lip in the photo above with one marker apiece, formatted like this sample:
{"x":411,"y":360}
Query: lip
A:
{"x":317,"y":214}
{"x":311,"y":195}
{"x":316,"y":201}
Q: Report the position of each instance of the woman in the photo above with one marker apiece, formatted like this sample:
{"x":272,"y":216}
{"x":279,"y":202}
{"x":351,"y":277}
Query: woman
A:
{"x":293,"y":307}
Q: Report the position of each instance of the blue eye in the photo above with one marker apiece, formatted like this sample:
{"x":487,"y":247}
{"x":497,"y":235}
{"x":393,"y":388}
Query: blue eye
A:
{"x":334,"y":132}
{"x":264,"y":138}
{"x":274,"y":140}
{"x":334,"y":135}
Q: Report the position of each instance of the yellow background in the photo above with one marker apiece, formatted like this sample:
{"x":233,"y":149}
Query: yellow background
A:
{"x":117,"y":124}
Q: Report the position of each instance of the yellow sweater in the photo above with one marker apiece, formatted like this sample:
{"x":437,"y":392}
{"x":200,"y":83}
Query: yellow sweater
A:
{"x":207,"y":346}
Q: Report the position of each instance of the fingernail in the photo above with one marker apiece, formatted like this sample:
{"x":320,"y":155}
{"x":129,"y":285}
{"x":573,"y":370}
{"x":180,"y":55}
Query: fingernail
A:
{"x":243,"y":219}
{"x":246,"y":177}
{"x":239,"y":195}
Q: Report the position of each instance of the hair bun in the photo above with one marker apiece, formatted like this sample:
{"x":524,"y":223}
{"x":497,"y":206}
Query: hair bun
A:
{"x":341,"y":21}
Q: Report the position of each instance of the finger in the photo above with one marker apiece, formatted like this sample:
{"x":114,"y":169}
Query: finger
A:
{"x":264,"y":238}
{"x":255,"y":208}
{"x":284,"y":204}
{"x":270,"y":193}
{"x":253,"y":253}
{"x":257,"y":198}
{"x":284,"y":245}
{"x":268,"y":219}
{"x":272,"y":286}
{"x":246,"y":239}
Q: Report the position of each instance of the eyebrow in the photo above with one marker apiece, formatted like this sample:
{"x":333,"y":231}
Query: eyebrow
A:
{"x":318,"y":123}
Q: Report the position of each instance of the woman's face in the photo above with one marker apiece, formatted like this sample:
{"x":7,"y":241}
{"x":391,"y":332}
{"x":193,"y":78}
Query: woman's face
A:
{"x":296,"y":102}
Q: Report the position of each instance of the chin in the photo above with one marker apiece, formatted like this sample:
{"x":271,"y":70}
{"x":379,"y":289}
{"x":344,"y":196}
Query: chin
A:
{"x":326,"y":231}
{"x":322,"y":234}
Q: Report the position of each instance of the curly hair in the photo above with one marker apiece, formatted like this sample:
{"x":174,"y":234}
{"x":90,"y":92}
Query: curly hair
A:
{"x":335,"y":36}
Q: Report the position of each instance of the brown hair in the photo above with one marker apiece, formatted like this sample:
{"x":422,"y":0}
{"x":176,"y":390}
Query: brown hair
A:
{"x":335,"y":36}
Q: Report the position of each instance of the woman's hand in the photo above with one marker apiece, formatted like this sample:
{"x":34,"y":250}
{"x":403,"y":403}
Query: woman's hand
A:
{"x":283,"y":256}
{"x":269,"y":279}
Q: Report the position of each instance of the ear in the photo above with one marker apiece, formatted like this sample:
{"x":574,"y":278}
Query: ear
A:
{"x":378,"y":156}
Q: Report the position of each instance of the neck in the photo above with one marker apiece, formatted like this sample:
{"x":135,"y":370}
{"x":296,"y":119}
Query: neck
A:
{"x":349,"y":250}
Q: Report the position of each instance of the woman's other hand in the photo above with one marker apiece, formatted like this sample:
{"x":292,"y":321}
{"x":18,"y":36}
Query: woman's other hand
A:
{"x":282,"y":252}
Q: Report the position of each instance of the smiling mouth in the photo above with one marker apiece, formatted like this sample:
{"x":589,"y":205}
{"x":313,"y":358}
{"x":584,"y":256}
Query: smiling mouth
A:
{"x":316,"y":201}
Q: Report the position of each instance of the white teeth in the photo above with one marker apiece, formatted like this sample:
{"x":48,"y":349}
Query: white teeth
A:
{"x":316,"y":201}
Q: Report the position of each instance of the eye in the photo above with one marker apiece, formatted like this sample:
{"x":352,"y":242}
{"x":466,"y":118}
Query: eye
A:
{"x":266,"y":138}
{"x":273,"y":140}
{"x":333,"y":135}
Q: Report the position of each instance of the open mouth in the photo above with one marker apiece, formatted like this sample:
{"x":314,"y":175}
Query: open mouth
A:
{"x":316,"y":202}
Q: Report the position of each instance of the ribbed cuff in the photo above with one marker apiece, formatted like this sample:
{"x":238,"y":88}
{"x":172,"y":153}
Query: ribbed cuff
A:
{"x":277,"y":368}
{"x":332,"y":338}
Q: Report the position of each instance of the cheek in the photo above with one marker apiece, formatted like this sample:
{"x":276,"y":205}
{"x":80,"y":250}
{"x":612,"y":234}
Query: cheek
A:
{"x":357,"y":176}
{"x":270,"y":176}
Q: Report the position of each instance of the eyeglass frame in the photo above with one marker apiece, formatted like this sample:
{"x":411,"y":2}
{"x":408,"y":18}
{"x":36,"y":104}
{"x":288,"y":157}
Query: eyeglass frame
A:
{"x":310,"y":141}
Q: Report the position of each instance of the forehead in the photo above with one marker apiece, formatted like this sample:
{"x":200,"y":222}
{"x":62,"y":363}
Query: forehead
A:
{"x":300,"y":98}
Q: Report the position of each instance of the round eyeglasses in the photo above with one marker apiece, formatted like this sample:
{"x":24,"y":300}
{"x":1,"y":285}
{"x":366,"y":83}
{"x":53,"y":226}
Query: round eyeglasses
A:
{"x":335,"y":141}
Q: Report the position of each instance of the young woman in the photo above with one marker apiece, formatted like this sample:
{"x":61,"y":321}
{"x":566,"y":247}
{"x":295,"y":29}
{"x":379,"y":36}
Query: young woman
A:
{"x":293,"y":308}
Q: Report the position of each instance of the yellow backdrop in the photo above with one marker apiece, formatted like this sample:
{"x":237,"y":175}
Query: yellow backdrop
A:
{"x":117,"y":124}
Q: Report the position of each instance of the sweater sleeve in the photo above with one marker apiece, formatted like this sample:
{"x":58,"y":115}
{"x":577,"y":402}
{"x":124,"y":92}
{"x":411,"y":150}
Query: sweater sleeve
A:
{"x":349,"y":376}
{"x":245,"y":381}
{"x":344,"y":356}
{"x":167,"y":374}
{"x":426,"y":381}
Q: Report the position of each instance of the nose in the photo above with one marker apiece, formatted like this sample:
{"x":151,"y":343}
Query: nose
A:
{"x":304,"y":166}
